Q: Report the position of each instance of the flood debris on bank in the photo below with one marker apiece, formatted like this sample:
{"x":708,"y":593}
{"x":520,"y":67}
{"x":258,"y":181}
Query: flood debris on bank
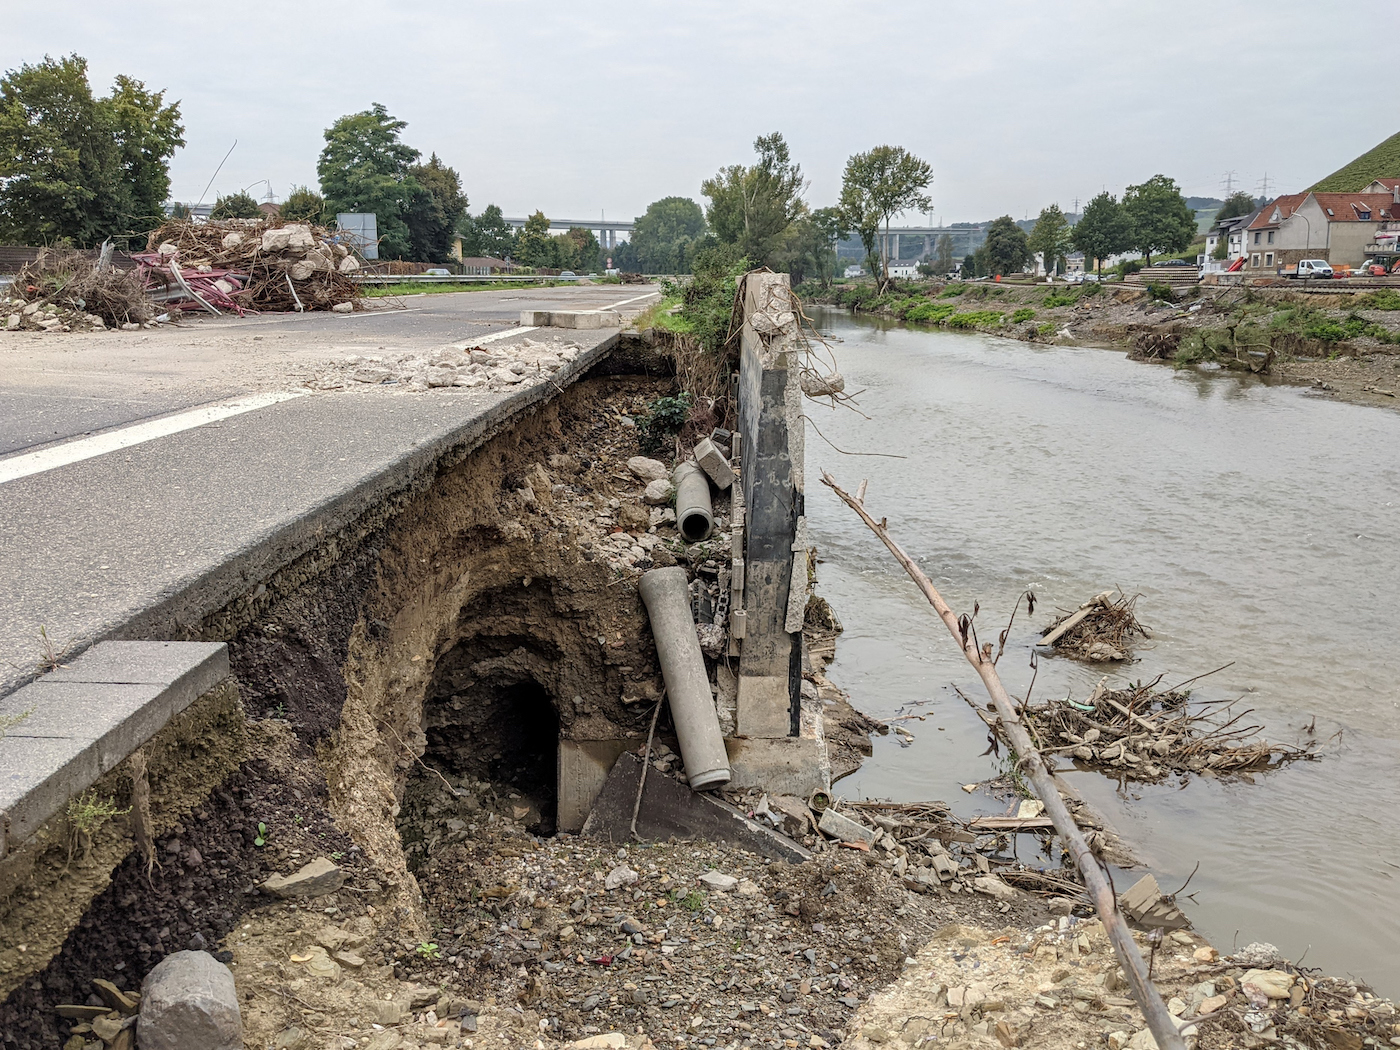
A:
{"x":492,"y":367}
{"x":64,"y":291}
{"x":1102,"y":630}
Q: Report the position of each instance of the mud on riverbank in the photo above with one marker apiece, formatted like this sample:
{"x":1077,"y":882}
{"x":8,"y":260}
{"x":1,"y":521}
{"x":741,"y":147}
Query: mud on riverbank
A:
{"x":1344,"y":345}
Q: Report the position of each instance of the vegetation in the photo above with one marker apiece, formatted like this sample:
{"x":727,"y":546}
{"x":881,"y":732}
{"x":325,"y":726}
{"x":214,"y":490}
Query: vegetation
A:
{"x":1238,"y":203}
{"x":707,"y":300}
{"x":666,"y":237}
{"x":1022,"y":315}
{"x":240,"y":205}
{"x":435,"y":210}
{"x":943,"y":256}
{"x":1006,"y":249}
{"x":976,"y":319}
{"x":663,"y":420}
{"x":89,"y":811}
{"x":77,"y":169}
{"x":304,"y":204}
{"x":488,"y":235}
{"x":878,"y":185}
{"x":752,"y":207}
{"x":1051,"y":238}
{"x":1158,"y":217}
{"x":1102,"y":230}
{"x":365,"y":168}
{"x":1380,"y":162}
{"x":810,"y":246}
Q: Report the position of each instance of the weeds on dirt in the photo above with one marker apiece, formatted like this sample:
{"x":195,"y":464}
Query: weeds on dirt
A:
{"x":8,"y":722}
{"x":86,"y":813}
{"x":260,"y":839}
{"x":1022,"y":315}
{"x":663,"y":420}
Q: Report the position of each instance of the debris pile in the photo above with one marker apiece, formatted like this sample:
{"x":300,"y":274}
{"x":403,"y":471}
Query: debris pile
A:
{"x":249,"y":264}
{"x":1099,"y":631}
{"x":497,"y":366}
{"x":66,"y":291}
{"x":1141,"y":733}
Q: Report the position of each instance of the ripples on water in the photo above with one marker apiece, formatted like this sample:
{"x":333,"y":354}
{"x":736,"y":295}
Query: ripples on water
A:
{"x":1262,"y":526}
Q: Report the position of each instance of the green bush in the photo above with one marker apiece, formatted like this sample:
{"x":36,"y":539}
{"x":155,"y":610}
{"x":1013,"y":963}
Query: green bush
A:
{"x":952,"y":291}
{"x":662,"y":421}
{"x":1046,"y":328}
{"x":1068,"y":297}
{"x":1022,"y":315}
{"x":1383,"y":299}
{"x":976,"y":319}
{"x":930,"y":313}
{"x":1160,"y":291}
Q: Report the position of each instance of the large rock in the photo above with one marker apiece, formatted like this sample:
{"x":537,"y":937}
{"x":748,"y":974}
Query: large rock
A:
{"x":658,"y":493}
{"x":648,"y":469}
{"x":313,"y":880}
{"x":844,"y":829}
{"x":189,"y":1001}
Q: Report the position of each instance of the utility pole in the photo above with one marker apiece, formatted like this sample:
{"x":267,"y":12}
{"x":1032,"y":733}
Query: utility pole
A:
{"x":1264,"y":185}
{"x":1229,"y":180}
{"x":1076,"y":206}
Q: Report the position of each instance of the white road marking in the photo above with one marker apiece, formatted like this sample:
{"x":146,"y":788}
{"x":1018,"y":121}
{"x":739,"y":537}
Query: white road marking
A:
{"x":28,"y":463}
{"x":501,"y":335}
{"x":637,"y":299}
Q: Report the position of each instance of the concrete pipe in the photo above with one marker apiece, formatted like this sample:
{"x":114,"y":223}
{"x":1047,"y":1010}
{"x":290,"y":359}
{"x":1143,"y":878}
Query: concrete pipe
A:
{"x":695,"y":517}
{"x":666,"y":595}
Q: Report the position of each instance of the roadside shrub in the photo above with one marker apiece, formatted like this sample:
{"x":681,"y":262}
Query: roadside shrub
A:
{"x":1128,"y":266}
{"x":1157,"y":290}
{"x":976,"y":319}
{"x":1382,"y":299}
{"x":662,"y":421}
{"x":1022,"y":315}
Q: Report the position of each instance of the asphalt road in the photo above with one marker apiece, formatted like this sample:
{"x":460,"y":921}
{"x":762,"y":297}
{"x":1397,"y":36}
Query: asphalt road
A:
{"x":55,"y":387}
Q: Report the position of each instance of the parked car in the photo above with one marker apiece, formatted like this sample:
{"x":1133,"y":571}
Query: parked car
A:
{"x":567,"y":273}
{"x":436,"y":271}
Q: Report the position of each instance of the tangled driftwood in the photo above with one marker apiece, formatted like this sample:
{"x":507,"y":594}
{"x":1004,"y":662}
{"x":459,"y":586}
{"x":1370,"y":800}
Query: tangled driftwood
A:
{"x":1100,"y":631}
{"x":82,"y":289}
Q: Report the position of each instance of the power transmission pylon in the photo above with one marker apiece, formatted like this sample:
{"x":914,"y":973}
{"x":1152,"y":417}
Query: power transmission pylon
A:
{"x":1229,"y":181}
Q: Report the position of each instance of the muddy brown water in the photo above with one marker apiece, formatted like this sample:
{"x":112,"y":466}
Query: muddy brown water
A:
{"x":1260,"y":525}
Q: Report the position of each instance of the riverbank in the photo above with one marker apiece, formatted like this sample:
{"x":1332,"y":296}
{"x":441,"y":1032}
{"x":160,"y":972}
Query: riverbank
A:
{"x":1344,"y":345}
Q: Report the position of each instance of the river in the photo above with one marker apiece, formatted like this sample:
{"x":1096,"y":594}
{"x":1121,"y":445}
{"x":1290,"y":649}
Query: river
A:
{"x":1260,"y":525}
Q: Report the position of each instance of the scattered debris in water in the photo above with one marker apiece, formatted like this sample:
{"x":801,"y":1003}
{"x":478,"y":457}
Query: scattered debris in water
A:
{"x":1099,"y":631}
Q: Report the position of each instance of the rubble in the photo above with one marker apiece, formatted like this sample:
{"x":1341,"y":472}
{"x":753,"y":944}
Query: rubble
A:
{"x":67,"y":292}
{"x":495,"y":367}
{"x":316,"y":879}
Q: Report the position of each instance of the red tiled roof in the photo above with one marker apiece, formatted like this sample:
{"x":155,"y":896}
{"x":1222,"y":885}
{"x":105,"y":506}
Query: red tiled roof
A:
{"x":1389,"y":184}
{"x":1286,"y":205}
{"x":1346,"y":207}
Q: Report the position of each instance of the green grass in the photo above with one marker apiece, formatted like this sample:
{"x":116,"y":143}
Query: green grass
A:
{"x":930,"y":313}
{"x":1381,"y":161}
{"x":1022,"y":315}
{"x":379,"y":291}
{"x":976,"y":319}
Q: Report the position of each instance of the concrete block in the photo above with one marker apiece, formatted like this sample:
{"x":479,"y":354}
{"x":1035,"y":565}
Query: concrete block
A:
{"x":119,"y":718}
{"x":670,"y":808}
{"x":795,"y":765}
{"x":38,"y":775}
{"x":536,"y":318}
{"x":712,"y":461}
{"x":583,"y":770}
{"x":844,"y":829}
{"x":765,"y":703}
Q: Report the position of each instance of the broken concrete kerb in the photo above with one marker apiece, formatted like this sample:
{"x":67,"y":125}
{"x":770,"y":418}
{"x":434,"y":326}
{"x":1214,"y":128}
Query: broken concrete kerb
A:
{"x":695,"y":516}
{"x":189,"y":1000}
{"x":666,"y":594}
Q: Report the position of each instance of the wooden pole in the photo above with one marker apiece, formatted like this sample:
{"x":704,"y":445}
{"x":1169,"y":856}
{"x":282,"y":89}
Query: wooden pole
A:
{"x":1129,"y":957}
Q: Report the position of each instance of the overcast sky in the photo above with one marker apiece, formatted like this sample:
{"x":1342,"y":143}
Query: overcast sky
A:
{"x":578,"y":109}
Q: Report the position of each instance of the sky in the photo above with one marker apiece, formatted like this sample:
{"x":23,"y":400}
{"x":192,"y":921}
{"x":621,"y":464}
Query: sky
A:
{"x":583,"y":110}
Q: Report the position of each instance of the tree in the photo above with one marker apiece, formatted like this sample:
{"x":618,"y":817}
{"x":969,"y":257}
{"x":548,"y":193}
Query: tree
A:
{"x":665,"y":235}
{"x":577,"y":249}
{"x":1006,"y":247}
{"x":365,"y":168}
{"x":1051,"y":237}
{"x":881,"y":184}
{"x":535,"y":245}
{"x":77,"y":168}
{"x":943,"y":256}
{"x":240,"y":205}
{"x":488,"y":235}
{"x":304,"y":204}
{"x":752,"y":207}
{"x":828,"y":231}
{"x":1237,"y":204}
{"x":435,"y":210}
{"x":969,"y":266}
{"x":1102,"y":230}
{"x":1158,"y":216}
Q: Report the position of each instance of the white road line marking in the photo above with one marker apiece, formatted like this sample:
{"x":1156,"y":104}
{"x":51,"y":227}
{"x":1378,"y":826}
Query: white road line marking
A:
{"x":637,"y":299}
{"x":28,"y":463}
{"x":502,"y":335}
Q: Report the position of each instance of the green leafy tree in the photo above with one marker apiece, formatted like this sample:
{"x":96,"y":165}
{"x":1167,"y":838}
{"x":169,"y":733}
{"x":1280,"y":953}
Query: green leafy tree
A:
{"x":240,"y":205}
{"x":304,"y":204}
{"x":969,"y":265}
{"x":665,"y":235}
{"x":577,"y":249}
{"x":535,"y":245}
{"x":828,"y":230}
{"x":1158,"y":216}
{"x":435,"y":210}
{"x":488,"y":235}
{"x":752,"y":207}
{"x":179,"y":211}
{"x":1006,"y":247}
{"x":943,"y":256}
{"x":1051,"y":237}
{"x":1237,"y":204}
{"x":75,"y":168}
{"x":1103,"y":230}
{"x":365,"y":168}
{"x":879,"y":185}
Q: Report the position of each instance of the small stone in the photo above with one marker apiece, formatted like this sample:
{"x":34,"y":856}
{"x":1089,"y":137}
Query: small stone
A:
{"x":1176,"y":1006}
{"x":1212,"y":1003}
{"x":606,"y":1041}
{"x":621,"y":875}
{"x":189,"y":1000}
{"x":316,"y":879}
{"x":12,"y":322}
{"x":658,"y":493}
{"x":1272,"y":983}
{"x":992,"y":886}
{"x":648,"y":469}
{"x":106,"y":1028}
{"x":1205,"y":955}
{"x":291,"y":1039}
{"x":718,"y":881}
{"x":386,"y":1011}
{"x":844,"y":829}
{"x":115,"y":997}
{"x":131,"y":326}
{"x":875,"y":1034}
{"x":343,"y":308}
{"x":349,"y":959}
{"x":747,"y":888}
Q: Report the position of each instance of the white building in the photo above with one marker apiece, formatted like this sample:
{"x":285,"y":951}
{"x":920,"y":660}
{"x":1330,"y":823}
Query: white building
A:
{"x":904,"y":269}
{"x":855,"y":271}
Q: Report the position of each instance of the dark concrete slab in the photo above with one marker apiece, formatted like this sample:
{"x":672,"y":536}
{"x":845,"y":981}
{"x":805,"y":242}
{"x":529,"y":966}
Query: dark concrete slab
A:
{"x":669,"y":808}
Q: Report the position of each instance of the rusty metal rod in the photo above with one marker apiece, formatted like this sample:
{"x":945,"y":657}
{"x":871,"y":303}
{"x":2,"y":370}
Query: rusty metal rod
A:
{"x":1129,"y":956}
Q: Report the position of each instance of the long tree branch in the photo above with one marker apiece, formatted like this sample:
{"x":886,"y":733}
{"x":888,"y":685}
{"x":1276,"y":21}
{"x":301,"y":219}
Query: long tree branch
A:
{"x":1129,"y":957}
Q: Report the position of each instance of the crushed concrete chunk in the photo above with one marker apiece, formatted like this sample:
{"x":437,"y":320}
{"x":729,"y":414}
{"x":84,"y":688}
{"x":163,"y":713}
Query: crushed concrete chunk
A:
{"x":844,"y":829}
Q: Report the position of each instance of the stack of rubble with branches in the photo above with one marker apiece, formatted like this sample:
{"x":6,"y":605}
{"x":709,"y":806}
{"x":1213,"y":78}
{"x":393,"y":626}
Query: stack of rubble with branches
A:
{"x":1101,"y":630}
{"x":250,"y":264}
{"x":63,"y":291}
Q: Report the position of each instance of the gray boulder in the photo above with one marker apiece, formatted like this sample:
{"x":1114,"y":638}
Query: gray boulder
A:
{"x":189,"y":1001}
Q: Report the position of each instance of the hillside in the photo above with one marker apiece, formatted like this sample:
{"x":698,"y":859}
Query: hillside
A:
{"x":1379,"y":163}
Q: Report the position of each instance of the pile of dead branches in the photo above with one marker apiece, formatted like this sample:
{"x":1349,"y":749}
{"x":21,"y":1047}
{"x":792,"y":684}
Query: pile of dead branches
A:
{"x":1143,"y":733}
{"x":249,"y":264}
{"x":1101,"y":630}
{"x":70,"y":289}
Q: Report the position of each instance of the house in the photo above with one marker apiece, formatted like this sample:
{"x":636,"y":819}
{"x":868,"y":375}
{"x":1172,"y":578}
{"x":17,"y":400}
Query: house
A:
{"x":904,"y":269}
{"x":855,"y":271}
{"x":1233,"y":231}
{"x":1332,"y":226}
{"x":270,"y":210}
{"x":1381,"y":186}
